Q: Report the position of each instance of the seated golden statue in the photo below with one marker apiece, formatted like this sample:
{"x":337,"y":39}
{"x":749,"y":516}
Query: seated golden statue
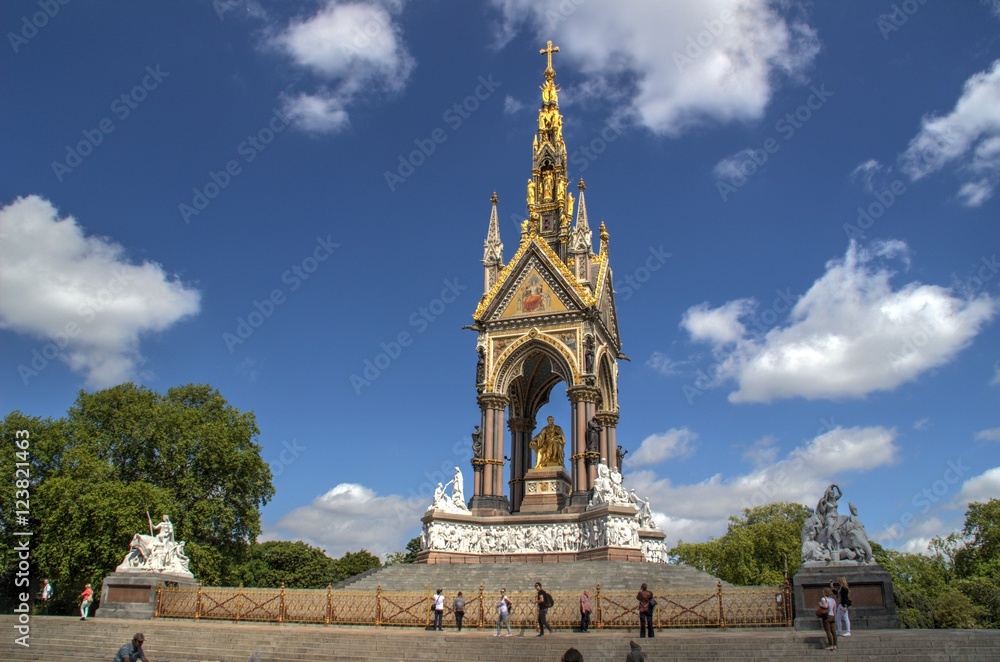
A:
{"x":549,"y":446}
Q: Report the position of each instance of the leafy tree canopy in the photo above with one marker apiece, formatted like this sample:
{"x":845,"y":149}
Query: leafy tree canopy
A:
{"x":761,"y":546}
{"x":125,"y":451}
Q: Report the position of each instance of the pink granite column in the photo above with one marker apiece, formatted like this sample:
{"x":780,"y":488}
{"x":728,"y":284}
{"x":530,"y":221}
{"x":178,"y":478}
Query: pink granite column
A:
{"x":609,"y":438}
{"x":583,"y":399}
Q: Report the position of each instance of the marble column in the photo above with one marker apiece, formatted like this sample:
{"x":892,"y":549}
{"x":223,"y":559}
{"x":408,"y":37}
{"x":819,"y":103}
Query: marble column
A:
{"x":609,"y":439}
{"x":520,"y":431}
{"x":583,"y":401}
{"x":490,"y":486}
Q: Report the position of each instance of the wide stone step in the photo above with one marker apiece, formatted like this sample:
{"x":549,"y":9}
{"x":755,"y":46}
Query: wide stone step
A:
{"x":182,"y":640}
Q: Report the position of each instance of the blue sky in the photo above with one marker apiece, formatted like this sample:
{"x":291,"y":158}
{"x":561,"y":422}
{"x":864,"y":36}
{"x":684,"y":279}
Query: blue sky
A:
{"x":288,"y":202}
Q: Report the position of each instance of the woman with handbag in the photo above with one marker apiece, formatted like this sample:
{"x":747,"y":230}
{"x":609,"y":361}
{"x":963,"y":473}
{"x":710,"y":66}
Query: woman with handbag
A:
{"x":827,"y":611}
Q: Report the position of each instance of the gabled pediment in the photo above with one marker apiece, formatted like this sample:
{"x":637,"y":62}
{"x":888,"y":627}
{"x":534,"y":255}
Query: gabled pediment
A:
{"x":535,"y":283}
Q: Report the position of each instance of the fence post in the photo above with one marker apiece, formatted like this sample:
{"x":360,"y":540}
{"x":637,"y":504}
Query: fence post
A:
{"x":482,"y":607}
{"x":597,"y":600}
{"x":197,"y":606}
{"x":281,"y":604}
{"x":159,"y":592}
{"x":718,"y":593}
{"x":239,"y":601}
{"x":329,"y":605}
{"x":787,"y":597}
{"x":378,"y":605}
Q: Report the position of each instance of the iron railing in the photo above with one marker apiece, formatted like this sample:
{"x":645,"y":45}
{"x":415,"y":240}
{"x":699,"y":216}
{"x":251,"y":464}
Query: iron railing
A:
{"x":740,"y":606}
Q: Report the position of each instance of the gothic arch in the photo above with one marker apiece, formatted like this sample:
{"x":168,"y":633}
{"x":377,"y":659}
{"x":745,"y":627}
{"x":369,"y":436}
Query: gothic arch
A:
{"x":606,"y":383}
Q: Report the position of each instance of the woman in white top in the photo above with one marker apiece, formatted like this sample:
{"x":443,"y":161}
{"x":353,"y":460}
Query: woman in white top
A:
{"x":503,"y":613}
{"x":828,"y":607}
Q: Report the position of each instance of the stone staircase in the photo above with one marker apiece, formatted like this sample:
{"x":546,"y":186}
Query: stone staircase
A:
{"x":571,"y":578}
{"x":167,"y":640}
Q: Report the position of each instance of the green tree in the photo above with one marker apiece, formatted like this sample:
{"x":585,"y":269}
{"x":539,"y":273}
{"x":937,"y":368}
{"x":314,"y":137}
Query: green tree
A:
{"x":980,"y":556}
{"x":125,"y":451}
{"x":353,"y":563}
{"x":762,"y":546}
{"x":408,"y":556}
{"x":294,"y":564}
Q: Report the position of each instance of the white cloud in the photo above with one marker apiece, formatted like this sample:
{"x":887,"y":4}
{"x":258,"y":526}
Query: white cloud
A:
{"x":356,"y":47}
{"x":82,"y":293}
{"x":662,"y":364}
{"x":981,"y":488}
{"x":696,"y":511}
{"x":679,"y":63}
{"x":921,"y":424}
{"x":968,"y":136}
{"x":512,"y":106}
{"x":991,"y":434}
{"x":350,"y":517}
{"x":657,"y":448}
{"x":719,"y":326}
{"x":849,"y":335}
{"x":762,"y":452}
{"x":869,"y":174}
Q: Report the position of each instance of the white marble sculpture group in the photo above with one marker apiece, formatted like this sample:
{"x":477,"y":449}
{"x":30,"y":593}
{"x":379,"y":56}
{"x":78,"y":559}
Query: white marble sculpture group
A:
{"x":455,"y":503}
{"x":158,"y":552}
{"x":829,"y":537}
{"x":607,"y":530}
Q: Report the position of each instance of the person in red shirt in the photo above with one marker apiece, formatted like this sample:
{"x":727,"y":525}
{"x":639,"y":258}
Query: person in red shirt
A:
{"x":86,"y":598}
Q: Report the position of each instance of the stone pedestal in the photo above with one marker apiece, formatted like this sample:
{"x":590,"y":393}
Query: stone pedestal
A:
{"x":133,"y":594}
{"x":546,"y":490}
{"x":872,"y":604}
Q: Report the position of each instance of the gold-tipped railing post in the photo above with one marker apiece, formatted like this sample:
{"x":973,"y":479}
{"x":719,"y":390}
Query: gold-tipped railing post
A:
{"x":597,"y":610}
{"x":722,"y":616}
{"x":482,"y":607}
{"x":281,"y":604}
{"x":197,"y":607}
{"x":239,"y":602}
{"x":378,"y":605}
{"x":159,"y":594}
{"x":329,"y":605}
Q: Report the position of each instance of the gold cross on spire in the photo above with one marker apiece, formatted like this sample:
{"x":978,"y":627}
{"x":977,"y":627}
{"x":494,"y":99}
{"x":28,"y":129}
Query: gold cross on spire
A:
{"x":549,"y":50}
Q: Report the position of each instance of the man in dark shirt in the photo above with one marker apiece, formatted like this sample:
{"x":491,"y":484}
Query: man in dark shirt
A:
{"x":132,"y":651}
{"x":543,"y":611}
{"x":645,"y":612}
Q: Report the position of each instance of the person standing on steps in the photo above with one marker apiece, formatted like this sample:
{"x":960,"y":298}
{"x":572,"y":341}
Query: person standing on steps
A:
{"x":503,"y":613}
{"x":544,"y":601}
{"x":843,"y":596}
{"x":827,"y":611}
{"x":645,"y":597}
{"x":458,"y":606}
{"x":438,"y":610}
{"x":86,"y":598}
{"x":585,"y":611}
{"x":46,"y":595}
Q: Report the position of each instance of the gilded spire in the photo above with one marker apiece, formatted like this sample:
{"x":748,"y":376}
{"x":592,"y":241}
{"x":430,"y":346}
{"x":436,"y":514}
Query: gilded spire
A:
{"x":492,"y":247}
{"x":583,"y":238}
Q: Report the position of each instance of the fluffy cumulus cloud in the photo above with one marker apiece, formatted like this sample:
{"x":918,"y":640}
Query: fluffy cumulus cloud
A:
{"x":354,"y":48}
{"x":852,"y":333}
{"x":675,"y":64}
{"x":968,"y":137}
{"x":980,"y":488}
{"x":80,"y":295}
{"x":657,"y":448}
{"x":351,"y":517}
{"x":696,"y":511}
